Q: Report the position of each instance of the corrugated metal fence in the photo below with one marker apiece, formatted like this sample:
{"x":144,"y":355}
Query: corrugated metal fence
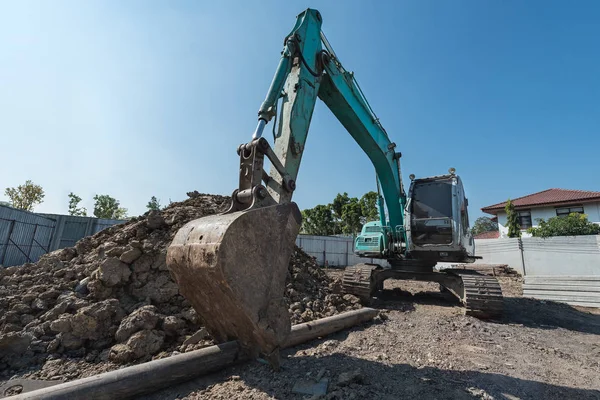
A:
{"x":336,"y":251}
{"x":26,"y":236}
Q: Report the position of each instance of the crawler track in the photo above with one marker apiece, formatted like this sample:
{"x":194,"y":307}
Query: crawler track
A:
{"x":482,"y":295}
{"x":357,"y":281}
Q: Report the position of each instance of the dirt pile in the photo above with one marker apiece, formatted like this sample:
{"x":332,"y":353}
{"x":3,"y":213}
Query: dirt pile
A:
{"x":110,"y":299}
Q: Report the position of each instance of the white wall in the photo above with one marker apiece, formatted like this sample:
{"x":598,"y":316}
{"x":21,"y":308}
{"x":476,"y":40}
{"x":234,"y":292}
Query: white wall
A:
{"x":555,"y":256}
{"x":500,"y":251}
{"x":591,"y":209}
{"x":562,"y":256}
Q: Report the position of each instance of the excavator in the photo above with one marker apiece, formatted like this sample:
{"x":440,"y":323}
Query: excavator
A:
{"x":232,"y":266}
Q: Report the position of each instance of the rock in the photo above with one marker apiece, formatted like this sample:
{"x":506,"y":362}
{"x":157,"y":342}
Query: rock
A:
{"x":49,"y":294}
{"x":21,"y":308}
{"x":142,"y":264}
{"x":27,"y":319}
{"x":196,"y":337}
{"x":346,"y":378}
{"x":13,"y":343}
{"x":53,"y":345}
{"x":69,"y":341}
{"x":145,"y":317}
{"x":62,"y":324}
{"x":67,"y":254}
{"x":131,"y":255}
{"x":172,"y":324}
{"x":155,"y":220}
{"x":94,"y":321}
{"x":39,"y":305}
{"x":120,"y":353}
{"x":60,"y":308}
{"x":82,"y":287}
{"x":113,"y":272}
{"x":146,"y":342}
{"x":98,"y":291}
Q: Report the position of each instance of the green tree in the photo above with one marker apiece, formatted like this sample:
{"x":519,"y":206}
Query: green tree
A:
{"x":153,"y":204}
{"x":318,"y":221}
{"x":338,"y":204}
{"x":73,"y":202}
{"x":484,"y":224}
{"x":108,"y":207}
{"x":574,"y":224}
{"x":25,"y":197}
{"x":514,"y":229}
{"x":368,"y":207}
{"x":351,"y":216}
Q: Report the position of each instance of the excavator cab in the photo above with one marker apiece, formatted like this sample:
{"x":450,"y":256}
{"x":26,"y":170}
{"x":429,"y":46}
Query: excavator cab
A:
{"x":437,"y":219}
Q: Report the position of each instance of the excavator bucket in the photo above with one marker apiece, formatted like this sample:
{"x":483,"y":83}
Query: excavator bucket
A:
{"x":232,"y":268}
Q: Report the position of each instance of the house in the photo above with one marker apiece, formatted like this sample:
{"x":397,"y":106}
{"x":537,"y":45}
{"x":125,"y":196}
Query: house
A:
{"x":547,"y":204}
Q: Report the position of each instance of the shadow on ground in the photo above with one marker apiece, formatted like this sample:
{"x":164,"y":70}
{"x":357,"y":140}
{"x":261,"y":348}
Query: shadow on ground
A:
{"x":373,"y":380}
{"x":529,"y":312}
{"x":544,"y":314}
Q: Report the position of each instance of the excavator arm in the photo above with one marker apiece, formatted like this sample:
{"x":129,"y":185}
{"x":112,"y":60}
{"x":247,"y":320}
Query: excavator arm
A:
{"x":307,"y":72}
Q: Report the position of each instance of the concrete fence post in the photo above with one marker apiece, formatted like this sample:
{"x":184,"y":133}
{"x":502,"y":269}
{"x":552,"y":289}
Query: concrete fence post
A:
{"x":520,"y":242}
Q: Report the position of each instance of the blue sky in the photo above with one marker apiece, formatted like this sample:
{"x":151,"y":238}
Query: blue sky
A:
{"x":142,"y":98}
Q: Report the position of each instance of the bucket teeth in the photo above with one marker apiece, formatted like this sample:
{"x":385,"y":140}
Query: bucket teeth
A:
{"x":232,"y":268}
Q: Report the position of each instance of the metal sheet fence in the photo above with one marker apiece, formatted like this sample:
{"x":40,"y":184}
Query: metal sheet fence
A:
{"x":333,"y":251}
{"x":23,"y":241}
{"x":26,"y":236}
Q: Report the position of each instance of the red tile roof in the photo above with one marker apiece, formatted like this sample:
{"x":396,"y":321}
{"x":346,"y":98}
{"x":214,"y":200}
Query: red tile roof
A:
{"x":488,"y":235}
{"x":547,"y":198}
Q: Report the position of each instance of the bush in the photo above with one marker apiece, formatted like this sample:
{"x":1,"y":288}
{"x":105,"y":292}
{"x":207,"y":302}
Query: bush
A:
{"x":572,"y":225}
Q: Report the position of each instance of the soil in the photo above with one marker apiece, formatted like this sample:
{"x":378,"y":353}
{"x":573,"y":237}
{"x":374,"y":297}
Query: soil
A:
{"x":424,"y":347}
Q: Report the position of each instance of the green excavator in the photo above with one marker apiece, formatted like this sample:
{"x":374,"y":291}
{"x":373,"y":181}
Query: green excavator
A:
{"x":232,"y":266}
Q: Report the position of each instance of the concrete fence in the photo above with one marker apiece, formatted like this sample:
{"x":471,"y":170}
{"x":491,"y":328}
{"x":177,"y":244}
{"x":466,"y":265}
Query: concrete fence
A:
{"x":565,"y":268}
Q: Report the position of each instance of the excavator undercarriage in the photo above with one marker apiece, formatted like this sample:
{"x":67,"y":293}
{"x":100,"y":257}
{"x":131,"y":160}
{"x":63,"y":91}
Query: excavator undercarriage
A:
{"x":480,"y":294}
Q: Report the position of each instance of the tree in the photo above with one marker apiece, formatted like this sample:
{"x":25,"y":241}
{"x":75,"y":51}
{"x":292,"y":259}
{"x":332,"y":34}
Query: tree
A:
{"x":574,"y":224}
{"x":338,"y":203}
{"x":318,"y":221}
{"x":108,"y":207}
{"x":153,"y":204}
{"x":484,"y":224}
{"x":514,"y":229}
{"x":351,"y":216}
{"x":368,"y":207}
{"x":25,"y":197}
{"x":73,"y":210}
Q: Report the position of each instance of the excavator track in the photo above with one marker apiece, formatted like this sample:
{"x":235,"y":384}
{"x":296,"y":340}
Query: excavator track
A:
{"x":482,"y":296}
{"x":357,"y":281}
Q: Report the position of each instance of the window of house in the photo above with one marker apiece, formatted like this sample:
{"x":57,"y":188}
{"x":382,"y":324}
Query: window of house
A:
{"x":525,"y":219}
{"x":564,"y":211}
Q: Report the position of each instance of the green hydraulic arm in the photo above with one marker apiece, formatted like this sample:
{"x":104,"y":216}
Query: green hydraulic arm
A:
{"x":307,"y":71}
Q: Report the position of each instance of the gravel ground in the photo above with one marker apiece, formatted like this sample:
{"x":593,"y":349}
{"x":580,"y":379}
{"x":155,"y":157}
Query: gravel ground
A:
{"x":425,"y":348}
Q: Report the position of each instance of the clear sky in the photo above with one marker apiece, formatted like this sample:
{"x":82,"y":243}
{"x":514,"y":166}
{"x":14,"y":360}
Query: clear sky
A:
{"x":142,"y":98}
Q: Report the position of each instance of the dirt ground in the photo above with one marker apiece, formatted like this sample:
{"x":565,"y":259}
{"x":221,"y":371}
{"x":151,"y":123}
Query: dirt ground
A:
{"x":425,"y":348}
